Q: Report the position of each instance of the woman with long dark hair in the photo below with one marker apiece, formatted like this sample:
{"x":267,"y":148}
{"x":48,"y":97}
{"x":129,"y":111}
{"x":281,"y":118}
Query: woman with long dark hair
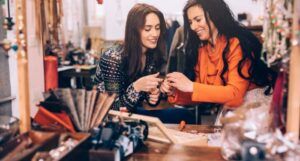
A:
{"x":131,"y":70}
{"x":223,"y":58}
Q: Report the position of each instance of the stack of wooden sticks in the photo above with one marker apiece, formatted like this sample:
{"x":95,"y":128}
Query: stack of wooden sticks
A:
{"x":87,"y":108}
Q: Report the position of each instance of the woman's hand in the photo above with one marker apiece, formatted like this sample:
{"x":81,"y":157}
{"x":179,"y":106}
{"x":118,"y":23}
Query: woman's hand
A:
{"x":166,"y":88}
{"x":180,"y":82}
{"x":147,"y":83}
{"x":154,"y":96}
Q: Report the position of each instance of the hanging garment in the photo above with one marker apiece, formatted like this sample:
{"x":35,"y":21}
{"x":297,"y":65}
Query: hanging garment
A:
{"x":170,"y":33}
{"x":278,"y":102}
{"x":176,"y":58}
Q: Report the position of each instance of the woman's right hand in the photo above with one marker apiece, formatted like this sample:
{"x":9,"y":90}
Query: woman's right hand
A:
{"x":147,"y":83}
{"x":180,"y":81}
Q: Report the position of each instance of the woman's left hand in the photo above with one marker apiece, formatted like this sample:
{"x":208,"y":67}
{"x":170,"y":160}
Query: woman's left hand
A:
{"x":180,"y":82}
{"x":154,"y":96}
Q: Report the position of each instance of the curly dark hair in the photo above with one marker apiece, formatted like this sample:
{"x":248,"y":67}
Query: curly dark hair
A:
{"x":220,"y":14}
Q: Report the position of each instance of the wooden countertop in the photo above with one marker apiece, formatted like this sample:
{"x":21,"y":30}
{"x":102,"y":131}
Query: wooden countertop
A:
{"x":159,"y":151}
{"x":196,"y":128}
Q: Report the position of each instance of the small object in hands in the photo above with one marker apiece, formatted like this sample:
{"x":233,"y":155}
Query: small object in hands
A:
{"x":181,"y":125}
{"x":152,"y":90}
{"x":163,"y":77}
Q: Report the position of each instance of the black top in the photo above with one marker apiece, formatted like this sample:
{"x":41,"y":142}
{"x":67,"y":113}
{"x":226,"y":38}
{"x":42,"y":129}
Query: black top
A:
{"x":112,"y":77}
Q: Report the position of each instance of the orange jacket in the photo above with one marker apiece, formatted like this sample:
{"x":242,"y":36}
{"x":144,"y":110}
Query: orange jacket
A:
{"x":208,"y":85}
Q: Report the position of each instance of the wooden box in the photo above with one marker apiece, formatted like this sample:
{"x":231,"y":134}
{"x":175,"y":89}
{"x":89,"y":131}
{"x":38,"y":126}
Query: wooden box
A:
{"x":25,"y":146}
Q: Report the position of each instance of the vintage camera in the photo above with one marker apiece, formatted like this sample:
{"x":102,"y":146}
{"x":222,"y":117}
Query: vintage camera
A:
{"x":123,"y":137}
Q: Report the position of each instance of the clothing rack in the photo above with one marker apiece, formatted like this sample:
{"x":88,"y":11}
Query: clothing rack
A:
{"x":174,"y":17}
{"x":293,"y":111}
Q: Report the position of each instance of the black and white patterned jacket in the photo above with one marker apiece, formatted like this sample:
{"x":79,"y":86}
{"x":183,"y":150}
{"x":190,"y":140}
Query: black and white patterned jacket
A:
{"x":110,"y":77}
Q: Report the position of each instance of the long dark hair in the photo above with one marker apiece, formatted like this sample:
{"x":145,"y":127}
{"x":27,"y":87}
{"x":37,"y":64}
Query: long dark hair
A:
{"x":132,"y":52}
{"x":220,"y":14}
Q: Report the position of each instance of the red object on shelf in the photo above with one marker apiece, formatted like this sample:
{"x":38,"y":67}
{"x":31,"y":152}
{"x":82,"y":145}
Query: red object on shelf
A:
{"x":100,"y":1}
{"x":51,"y":73}
{"x":49,"y":119}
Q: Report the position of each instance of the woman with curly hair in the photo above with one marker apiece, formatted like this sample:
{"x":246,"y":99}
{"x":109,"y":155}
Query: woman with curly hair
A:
{"x":223,"y":58}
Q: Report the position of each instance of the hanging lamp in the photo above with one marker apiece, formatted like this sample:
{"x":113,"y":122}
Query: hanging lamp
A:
{"x":8,"y":21}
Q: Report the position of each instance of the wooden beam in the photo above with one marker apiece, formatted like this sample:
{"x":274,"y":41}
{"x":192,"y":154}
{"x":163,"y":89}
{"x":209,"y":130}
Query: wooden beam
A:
{"x":293,"y":111}
{"x":22,"y":61}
